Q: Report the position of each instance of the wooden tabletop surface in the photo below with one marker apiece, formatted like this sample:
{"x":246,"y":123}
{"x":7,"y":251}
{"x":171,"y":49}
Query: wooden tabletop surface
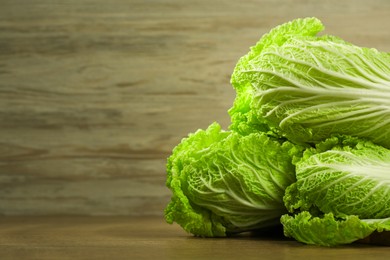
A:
{"x":70,"y":237}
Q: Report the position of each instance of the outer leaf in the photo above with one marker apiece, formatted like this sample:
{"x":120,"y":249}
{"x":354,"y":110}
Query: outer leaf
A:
{"x":329,"y":231}
{"x":225,"y":183}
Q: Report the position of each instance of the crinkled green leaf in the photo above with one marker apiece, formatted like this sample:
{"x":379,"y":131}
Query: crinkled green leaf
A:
{"x":243,"y":119}
{"x":327,"y":230}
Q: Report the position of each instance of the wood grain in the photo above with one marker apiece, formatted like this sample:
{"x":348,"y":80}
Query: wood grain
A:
{"x":95,"y":94}
{"x":151,"y":238}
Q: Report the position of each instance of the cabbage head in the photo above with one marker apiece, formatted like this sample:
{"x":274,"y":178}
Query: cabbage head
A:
{"x":307,"y":87}
{"x":342,"y":193}
{"x":225,"y":183}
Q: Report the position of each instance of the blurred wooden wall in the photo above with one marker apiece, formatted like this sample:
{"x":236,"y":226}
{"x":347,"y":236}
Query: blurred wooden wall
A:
{"x":95,"y":94}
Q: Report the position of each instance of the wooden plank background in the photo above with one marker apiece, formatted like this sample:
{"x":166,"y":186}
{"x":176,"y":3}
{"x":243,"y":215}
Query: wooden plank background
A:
{"x":95,"y":94}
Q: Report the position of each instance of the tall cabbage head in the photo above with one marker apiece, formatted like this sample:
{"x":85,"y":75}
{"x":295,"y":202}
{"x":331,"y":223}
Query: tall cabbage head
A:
{"x":307,"y":87}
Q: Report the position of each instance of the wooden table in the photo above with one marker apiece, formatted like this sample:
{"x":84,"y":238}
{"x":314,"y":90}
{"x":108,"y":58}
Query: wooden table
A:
{"x":71,"y":237}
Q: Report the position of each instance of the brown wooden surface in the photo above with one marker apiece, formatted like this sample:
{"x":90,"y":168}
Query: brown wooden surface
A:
{"x":94,"y":94}
{"x":150,"y":238}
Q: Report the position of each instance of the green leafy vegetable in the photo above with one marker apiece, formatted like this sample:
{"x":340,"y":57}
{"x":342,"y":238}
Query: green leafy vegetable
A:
{"x":224,"y":183}
{"x":345,"y":178}
{"x":308,"y":146}
{"x":307,"y":87}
